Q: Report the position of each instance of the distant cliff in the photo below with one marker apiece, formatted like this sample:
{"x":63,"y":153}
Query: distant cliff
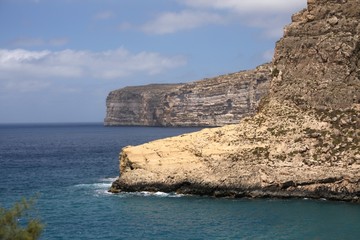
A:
{"x":209,"y":102}
{"x":304,"y":140}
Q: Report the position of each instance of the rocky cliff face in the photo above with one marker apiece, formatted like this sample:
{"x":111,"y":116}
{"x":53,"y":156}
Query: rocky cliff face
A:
{"x":303,"y":142}
{"x":137,"y":105}
{"x":209,"y":102}
{"x":317,"y":60}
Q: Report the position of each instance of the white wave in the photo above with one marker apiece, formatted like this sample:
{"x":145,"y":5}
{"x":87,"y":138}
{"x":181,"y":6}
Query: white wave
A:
{"x":102,"y":192}
{"x":148,"y":194}
{"x":161,"y":194}
{"x":156,"y":194}
{"x":109,"y":179}
{"x":93,"y":185}
{"x":178,"y":195}
{"x":101,"y":188}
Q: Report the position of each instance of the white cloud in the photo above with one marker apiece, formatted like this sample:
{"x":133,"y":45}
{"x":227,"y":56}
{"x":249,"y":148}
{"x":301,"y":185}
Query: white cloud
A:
{"x":58,"y":41}
{"x":272,"y":25}
{"x":25,"y":70}
{"x":104,"y":15}
{"x":246,"y":6}
{"x":36,"y":42}
{"x":171,"y":22}
{"x":125,"y":26}
{"x":28,"y":42}
{"x":271,"y":16}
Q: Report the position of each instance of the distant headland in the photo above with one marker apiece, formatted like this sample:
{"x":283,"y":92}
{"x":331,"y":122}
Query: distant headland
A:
{"x":210,"y":102}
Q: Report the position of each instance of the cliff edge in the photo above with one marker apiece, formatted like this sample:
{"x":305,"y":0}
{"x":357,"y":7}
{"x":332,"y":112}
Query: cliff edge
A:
{"x":209,"y":102}
{"x":304,"y":140}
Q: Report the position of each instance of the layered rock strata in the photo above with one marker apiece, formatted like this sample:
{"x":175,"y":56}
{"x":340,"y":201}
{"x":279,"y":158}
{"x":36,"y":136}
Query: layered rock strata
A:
{"x":210,"y":102}
{"x":303,"y":142}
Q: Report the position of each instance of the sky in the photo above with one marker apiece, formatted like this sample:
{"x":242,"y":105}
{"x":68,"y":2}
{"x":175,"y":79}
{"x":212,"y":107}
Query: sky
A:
{"x":59,"y":59}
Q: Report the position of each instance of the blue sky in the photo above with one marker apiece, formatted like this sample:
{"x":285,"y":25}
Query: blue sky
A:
{"x":60,"y":58}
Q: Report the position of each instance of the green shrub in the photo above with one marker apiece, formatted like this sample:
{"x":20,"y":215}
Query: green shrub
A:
{"x":16,"y":224}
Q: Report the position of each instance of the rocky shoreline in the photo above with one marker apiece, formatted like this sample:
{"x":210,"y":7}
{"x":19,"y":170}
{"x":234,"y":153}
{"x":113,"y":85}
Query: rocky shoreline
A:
{"x":273,"y":159}
{"x":286,"y":191}
{"x":304,"y":140}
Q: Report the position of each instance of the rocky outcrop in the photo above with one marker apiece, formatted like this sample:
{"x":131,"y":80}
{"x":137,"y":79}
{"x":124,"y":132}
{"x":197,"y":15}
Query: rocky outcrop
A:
{"x":304,"y":140}
{"x":317,"y":61}
{"x":210,"y":102}
{"x":267,"y":155}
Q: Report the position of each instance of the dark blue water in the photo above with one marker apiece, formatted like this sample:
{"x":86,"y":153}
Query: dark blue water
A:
{"x":72,"y":166}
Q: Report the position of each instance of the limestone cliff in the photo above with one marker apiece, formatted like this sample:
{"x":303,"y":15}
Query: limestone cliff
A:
{"x":317,"y":60}
{"x":137,"y":105}
{"x":210,"y":102}
{"x":303,"y":142}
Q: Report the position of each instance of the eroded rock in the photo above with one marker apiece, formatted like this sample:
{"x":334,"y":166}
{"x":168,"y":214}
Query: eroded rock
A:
{"x":304,"y":140}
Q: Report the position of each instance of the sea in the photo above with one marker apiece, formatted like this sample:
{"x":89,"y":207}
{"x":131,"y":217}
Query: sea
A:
{"x":70,"y":167}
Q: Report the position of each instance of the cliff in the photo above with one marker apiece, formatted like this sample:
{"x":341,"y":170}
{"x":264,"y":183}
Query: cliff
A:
{"x":317,"y":60}
{"x":210,"y":102}
{"x":304,"y":141}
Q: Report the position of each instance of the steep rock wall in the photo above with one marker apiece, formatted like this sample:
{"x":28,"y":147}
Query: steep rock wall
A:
{"x":137,"y":105}
{"x":210,"y":102}
{"x":317,"y":61}
{"x":304,"y":140}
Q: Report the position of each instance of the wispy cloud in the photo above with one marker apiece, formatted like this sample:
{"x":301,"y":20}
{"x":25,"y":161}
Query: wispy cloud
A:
{"x":271,"y":25}
{"x":24,"y":70}
{"x":58,"y":41}
{"x":104,"y":15}
{"x":270,"y":16}
{"x":125,"y":26}
{"x":247,"y":6}
{"x":28,"y":42}
{"x":37,"y":42}
{"x":170,"y":22}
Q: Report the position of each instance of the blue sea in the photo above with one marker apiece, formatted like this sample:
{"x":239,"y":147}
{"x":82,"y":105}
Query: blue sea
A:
{"x":71,"y":167}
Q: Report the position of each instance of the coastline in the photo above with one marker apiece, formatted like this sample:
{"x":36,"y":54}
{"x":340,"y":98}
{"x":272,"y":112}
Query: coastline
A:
{"x":272,"y":192}
{"x":303,"y":141}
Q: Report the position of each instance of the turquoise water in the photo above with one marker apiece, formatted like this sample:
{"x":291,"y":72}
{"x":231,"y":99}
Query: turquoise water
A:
{"x":71,"y":167}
